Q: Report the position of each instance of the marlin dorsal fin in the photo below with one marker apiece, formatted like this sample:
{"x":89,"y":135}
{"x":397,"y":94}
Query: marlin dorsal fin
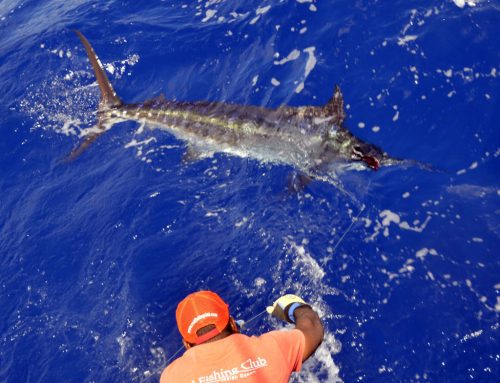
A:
{"x":108,"y":94}
{"x":332,"y":111}
{"x":335,"y":107}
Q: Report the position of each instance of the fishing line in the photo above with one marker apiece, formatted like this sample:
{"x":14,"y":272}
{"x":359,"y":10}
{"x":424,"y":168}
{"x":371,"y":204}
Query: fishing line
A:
{"x":176,"y":353}
{"x":345,"y":232}
{"x":243,"y":323}
{"x":349,"y":228}
{"x":353,"y":221}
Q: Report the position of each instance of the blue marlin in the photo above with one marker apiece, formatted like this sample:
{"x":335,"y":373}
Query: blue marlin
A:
{"x":312,"y":139}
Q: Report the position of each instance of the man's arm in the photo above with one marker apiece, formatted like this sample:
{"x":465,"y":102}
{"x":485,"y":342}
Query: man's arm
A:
{"x":307,"y":321}
{"x":292,"y":309}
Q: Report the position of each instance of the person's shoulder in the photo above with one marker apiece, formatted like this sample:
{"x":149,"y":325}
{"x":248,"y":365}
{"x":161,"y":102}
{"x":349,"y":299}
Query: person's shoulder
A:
{"x":281,"y":336}
{"x":282,"y":332}
{"x":170,"y":372}
{"x":164,"y":377}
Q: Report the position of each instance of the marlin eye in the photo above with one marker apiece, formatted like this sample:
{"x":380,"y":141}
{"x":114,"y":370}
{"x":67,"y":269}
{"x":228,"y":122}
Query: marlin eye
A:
{"x":356,"y":151}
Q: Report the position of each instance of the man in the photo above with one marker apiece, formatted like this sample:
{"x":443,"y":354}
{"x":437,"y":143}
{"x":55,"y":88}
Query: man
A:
{"x":217,"y":352}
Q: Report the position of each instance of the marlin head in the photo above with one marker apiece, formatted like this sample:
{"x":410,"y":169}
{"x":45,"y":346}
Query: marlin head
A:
{"x":374,"y":157}
{"x":339,"y":143}
{"x":371,"y":155}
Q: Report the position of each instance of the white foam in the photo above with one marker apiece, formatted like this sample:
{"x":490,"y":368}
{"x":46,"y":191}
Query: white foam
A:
{"x":405,"y":39}
{"x":259,"y":282}
{"x":209,"y":3}
{"x":293,"y":55}
{"x":310,"y":64}
{"x":389,"y":218}
{"x":254,"y":20}
{"x":208,"y":15}
{"x":311,"y":60}
{"x":448,"y":73}
{"x":396,"y":116}
{"x":70,"y":127}
{"x":262,"y":10}
{"x":463,"y":3}
{"x":110,"y":68}
{"x":305,"y":259}
{"x":474,"y":334}
{"x":275,"y":82}
{"x":237,"y":15}
{"x":255,"y":79}
{"x":422,"y":253}
{"x":241,"y":222}
{"x":135,"y":143}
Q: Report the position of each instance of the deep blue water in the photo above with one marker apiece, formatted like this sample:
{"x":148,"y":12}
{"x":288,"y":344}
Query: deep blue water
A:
{"x":95,"y":254}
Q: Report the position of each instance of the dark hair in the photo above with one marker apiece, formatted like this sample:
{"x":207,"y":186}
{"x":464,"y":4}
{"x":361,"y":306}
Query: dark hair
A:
{"x":228,"y":330}
{"x":205,"y":329}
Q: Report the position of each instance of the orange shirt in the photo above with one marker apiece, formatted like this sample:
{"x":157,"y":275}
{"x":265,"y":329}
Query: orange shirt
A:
{"x":271,"y":357}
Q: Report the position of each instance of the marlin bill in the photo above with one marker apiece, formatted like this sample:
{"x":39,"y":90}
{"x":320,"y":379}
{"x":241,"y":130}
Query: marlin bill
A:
{"x":312,"y":139}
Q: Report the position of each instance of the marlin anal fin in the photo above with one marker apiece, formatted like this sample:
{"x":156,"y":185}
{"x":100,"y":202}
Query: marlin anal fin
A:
{"x":108,"y":94}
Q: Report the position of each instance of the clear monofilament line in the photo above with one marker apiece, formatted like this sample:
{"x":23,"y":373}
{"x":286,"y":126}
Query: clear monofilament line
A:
{"x":253,"y":318}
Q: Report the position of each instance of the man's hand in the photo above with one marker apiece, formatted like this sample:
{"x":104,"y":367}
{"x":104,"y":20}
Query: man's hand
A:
{"x":292,"y":309}
{"x":284,"y":307}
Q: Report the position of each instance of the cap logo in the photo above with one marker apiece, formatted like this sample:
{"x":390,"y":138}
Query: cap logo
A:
{"x":199,"y":318}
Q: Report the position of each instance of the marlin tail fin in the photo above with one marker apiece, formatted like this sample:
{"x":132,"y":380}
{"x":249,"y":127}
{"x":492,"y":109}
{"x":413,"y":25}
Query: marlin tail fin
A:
{"x":108,"y":94}
{"x":109,"y":99}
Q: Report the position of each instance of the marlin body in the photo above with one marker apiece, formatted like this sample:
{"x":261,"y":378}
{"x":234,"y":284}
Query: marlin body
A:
{"x":309,"y":138}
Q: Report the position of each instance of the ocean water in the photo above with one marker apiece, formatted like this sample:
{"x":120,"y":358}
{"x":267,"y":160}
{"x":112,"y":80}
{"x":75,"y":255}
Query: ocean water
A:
{"x":403,"y":263}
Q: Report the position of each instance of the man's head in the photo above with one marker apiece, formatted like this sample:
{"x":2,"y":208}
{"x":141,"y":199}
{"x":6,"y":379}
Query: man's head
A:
{"x":202,"y":316}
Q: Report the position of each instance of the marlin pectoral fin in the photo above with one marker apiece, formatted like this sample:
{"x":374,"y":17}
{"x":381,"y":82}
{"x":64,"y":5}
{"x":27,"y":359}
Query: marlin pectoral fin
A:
{"x":193,"y":154}
{"x":83,"y":146}
{"x":297,"y":182}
